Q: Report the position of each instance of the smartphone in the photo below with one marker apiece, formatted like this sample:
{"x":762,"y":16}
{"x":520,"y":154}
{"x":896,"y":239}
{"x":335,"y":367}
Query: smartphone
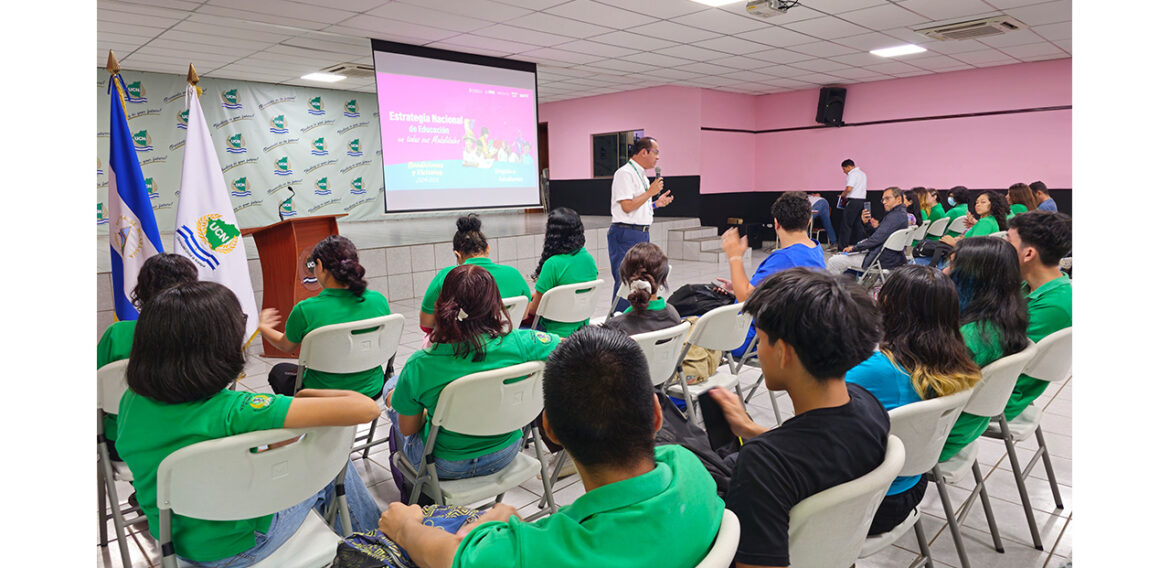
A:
{"x":867,"y":205}
{"x":718,"y":430}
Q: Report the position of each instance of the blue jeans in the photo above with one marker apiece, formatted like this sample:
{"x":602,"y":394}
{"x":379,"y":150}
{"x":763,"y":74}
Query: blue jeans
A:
{"x":821,"y":209}
{"x":620,"y":240}
{"x":363,"y":514}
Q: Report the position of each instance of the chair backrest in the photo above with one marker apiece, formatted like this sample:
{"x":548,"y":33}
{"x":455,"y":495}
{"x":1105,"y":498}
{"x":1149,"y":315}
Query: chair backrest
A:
{"x":1053,"y":360}
{"x":938,"y":227}
{"x":726,"y":543}
{"x":111,"y":385}
{"x":663,"y":349}
{"x":991,"y":394}
{"x":516,"y":306}
{"x":623,"y":291}
{"x":353,"y":346}
{"x":959,"y":225}
{"x":492,"y":403}
{"x":999,"y":235}
{"x":923,"y":428}
{"x":827,"y":529}
{"x":222,"y":480}
{"x":723,"y":329}
{"x":568,"y":302}
{"x":898,"y":239}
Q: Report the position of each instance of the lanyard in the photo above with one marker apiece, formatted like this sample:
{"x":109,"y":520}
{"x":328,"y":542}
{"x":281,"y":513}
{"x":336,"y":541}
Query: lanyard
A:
{"x":642,"y":178}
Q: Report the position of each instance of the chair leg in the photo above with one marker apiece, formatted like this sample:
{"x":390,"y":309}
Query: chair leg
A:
{"x":342,"y":505}
{"x":775,"y":407}
{"x":370,"y":438}
{"x":562,"y":457}
{"x":103,"y":533}
{"x":951,"y":520}
{"x":1048,"y":467}
{"x":987,"y":512}
{"x":545,"y":479}
{"x":1016,"y":472}
{"x":923,"y":545}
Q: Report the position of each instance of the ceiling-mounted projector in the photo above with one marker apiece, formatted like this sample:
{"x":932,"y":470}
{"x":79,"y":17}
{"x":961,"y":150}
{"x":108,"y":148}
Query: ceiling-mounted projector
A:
{"x":769,"y":8}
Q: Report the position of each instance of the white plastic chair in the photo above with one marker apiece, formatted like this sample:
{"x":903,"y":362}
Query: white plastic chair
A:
{"x":874,"y":273}
{"x":663,"y":350}
{"x":988,"y":398}
{"x":751,"y":358}
{"x":222,"y":480}
{"x":352,"y":347}
{"x":1052,"y":363}
{"x":958,"y":225}
{"x":722,"y":329}
{"x":516,"y":307}
{"x":920,"y":231}
{"x":923,"y":428}
{"x":722,"y":551}
{"x":111,"y":384}
{"x":999,"y":235}
{"x":488,"y":403}
{"x":827,"y":529}
{"x":938,"y":227}
{"x":568,"y":302}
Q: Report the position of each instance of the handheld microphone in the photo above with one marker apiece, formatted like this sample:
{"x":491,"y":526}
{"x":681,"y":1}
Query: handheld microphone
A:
{"x":657,"y":171}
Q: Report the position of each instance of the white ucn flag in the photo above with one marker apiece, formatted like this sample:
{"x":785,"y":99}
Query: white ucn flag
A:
{"x":205,"y":223}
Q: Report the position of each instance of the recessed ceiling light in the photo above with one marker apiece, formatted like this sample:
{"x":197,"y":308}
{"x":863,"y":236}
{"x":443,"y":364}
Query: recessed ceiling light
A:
{"x":323,"y":77}
{"x":898,"y":50}
{"x":716,"y":3}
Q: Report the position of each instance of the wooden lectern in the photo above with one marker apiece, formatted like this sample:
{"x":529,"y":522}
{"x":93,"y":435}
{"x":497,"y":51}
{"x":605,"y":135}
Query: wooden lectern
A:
{"x":284,"y":248}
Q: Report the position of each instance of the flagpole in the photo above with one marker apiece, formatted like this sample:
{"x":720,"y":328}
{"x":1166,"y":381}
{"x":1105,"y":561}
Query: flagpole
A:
{"x":193,"y":79}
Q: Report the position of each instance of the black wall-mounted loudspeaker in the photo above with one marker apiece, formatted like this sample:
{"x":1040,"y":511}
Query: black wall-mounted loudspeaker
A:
{"x":831,"y":106}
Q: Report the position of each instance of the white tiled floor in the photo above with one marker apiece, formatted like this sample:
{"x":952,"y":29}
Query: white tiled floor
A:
{"x":1055,"y":524}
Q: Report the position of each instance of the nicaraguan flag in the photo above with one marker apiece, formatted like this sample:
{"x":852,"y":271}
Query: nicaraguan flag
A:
{"x":205,"y":223}
{"x":133,"y":231}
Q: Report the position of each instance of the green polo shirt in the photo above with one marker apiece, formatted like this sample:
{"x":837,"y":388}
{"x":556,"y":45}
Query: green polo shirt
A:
{"x":1016,"y":209}
{"x":332,"y":306}
{"x":149,"y":431}
{"x":622,"y":524}
{"x":1049,"y":310}
{"x":115,"y":346}
{"x":657,"y":304}
{"x":561,"y":269}
{"x":984,"y":343}
{"x":508,"y":279}
{"x":954,"y":213}
{"x":935,"y":214}
{"x":982,"y":227}
{"x":429,"y":370}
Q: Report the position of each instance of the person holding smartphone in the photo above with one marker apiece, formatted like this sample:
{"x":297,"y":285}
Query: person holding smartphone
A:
{"x":894,"y":219}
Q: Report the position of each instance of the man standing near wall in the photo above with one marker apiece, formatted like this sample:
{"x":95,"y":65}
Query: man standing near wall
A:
{"x":632,"y":205}
{"x":853,"y":197}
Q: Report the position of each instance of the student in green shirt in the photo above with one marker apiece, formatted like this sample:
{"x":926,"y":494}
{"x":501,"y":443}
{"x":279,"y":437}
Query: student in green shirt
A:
{"x":185,"y":354}
{"x":990,"y":216}
{"x":635,"y":493}
{"x":344,"y":297}
{"x":563,"y":261}
{"x":471,"y":247}
{"x":994,"y":316}
{"x":471,"y":334}
{"x":158,"y":273}
{"x":1041,"y":238}
{"x":644,"y":270}
{"x":957,"y":200}
{"x":932,"y":210}
{"x":1021,"y":198}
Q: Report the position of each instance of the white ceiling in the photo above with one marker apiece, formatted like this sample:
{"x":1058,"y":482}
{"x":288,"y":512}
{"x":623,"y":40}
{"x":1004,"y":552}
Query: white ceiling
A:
{"x":582,"y":47}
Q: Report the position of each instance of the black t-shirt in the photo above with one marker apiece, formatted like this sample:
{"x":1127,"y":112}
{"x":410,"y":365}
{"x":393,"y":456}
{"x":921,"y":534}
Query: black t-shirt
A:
{"x":805,"y":455}
{"x":633,"y":323}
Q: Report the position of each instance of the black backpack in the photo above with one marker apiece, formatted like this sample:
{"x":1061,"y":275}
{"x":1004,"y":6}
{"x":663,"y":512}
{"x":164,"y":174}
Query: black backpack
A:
{"x":676,"y":429}
{"x":698,"y":299}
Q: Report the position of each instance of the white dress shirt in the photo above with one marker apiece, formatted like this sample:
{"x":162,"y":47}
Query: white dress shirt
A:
{"x":629,"y":181}
{"x":856,"y":180}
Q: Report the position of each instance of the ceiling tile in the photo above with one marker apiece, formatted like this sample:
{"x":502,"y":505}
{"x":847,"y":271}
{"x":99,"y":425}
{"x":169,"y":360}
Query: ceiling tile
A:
{"x":1061,"y":30}
{"x":777,"y":37}
{"x":706,"y":68}
{"x":783,"y":71}
{"x":523,"y":35}
{"x":948,"y":9}
{"x":741,"y":62}
{"x":859,"y":59}
{"x":1004,"y":4}
{"x":827,"y":28}
{"x":381,"y":27}
{"x":1032,"y":50}
{"x":294,"y":10}
{"x":1015,"y":37}
{"x":794,"y":14}
{"x":732,"y":45}
{"x":656,"y":59}
{"x":883,"y":17}
{"x":978,"y":57}
{"x":838,"y":6}
{"x":465,"y":42}
{"x":819,"y":79}
{"x":717,"y":20}
{"x":356,"y":5}
{"x":821,"y":65}
{"x":564,"y":26}
{"x":143,"y":20}
{"x":612,"y":65}
{"x":870,"y":41}
{"x":741,"y":76}
{"x":858,"y":74}
{"x":691,"y":52}
{"x":128,"y":29}
{"x":1008,"y":61}
{"x":596,"y":48}
{"x":1065,"y":44}
{"x":675,"y":32}
{"x":362,"y":47}
{"x":557,"y":56}
{"x":781,"y":56}
{"x":156,"y":7}
{"x":1047,"y":13}
{"x":481,"y":9}
{"x":952,"y":47}
{"x":891,"y":67}
{"x":822,"y":49}
{"x":675,"y":74}
{"x":271,"y":19}
{"x":596,"y":12}
{"x":533,"y":4}
{"x":664,"y":9}
{"x":634,"y":41}
{"x":240,"y":43}
{"x":400,"y":12}
{"x":937,"y":62}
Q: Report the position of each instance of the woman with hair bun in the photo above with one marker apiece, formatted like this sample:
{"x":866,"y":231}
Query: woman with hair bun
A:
{"x":344,"y":297}
{"x":644,"y":270}
{"x":471,"y":247}
{"x":471,"y":334}
{"x":563,"y":261}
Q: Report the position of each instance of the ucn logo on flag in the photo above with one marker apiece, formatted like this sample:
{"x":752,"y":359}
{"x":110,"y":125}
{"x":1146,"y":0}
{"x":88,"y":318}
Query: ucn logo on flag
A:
{"x":236,"y":144}
{"x":142,"y":141}
{"x":316,"y":107}
{"x":356,"y":187}
{"x":351,"y":109}
{"x":319,"y":148}
{"x":282,"y":168}
{"x":323,"y":187}
{"x":355,"y":148}
{"x":277,"y":125}
{"x":241,"y":187}
{"x":231,"y":99}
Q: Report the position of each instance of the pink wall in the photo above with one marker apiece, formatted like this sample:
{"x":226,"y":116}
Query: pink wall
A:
{"x":986,"y":151}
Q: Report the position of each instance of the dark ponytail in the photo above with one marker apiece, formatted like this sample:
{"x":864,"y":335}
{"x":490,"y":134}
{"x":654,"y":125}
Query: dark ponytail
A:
{"x":644,"y":262}
{"x":471,"y":290}
{"x":338,"y":255}
{"x":469,"y":240}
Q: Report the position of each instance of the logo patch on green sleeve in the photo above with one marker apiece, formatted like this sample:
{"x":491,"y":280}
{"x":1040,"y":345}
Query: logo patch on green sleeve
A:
{"x":542,"y":336}
{"x":260,"y":401}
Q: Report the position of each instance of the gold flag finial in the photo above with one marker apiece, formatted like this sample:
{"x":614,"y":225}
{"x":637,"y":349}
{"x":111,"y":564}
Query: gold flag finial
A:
{"x":192,"y":77}
{"x":112,"y":64}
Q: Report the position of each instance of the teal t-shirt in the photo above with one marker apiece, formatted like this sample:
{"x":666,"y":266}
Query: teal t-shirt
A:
{"x":1049,"y":310}
{"x":149,"y":431}
{"x":561,"y":269}
{"x":115,"y":346}
{"x":891,"y":385}
{"x":508,"y":279}
{"x":983,"y":227}
{"x":622,"y":524}
{"x":333,"y":306}
{"x":984,"y":342}
{"x":429,"y":370}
